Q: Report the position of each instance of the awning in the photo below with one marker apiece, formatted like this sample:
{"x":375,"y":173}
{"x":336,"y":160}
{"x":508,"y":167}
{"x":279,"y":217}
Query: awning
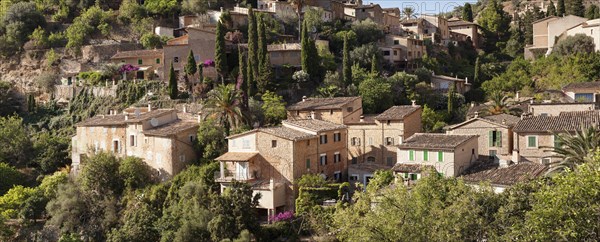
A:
{"x":237,"y":156}
{"x":144,"y":68}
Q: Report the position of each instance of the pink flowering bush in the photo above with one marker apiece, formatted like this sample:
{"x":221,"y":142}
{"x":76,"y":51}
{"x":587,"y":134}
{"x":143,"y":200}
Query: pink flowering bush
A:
{"x":285,"y":216}
{"x":209,"y":63}
{"x":128,"y":68}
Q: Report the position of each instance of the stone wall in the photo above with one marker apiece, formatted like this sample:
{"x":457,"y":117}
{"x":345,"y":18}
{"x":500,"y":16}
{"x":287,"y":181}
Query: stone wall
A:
{"x":68,"y":92}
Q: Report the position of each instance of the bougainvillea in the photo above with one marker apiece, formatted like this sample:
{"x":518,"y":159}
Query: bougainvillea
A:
{"x":209,"y":63}
{"x":285,"y":216}
{"x":128,"y":68}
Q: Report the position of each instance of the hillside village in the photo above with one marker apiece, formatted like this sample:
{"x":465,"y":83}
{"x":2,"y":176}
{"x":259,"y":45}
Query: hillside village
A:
{"x":312,"y":120}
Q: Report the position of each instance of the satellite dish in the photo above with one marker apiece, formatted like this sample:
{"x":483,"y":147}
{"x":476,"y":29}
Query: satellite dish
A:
{"x":137,"y":112}
{"x":154,"y":122}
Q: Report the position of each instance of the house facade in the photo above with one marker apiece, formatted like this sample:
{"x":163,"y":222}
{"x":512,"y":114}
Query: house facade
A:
{"x":338,"y":110}
{"x":272,"y":159}
{"x":589,"y":28}
{"x":583,"y":91}
{"x":404,"y":51}
{"x":470,"y":29}
{"x":494,"y":134}
{"x":443,"y":83}
{"x":450,"y":155}
{"x":554,"y":109}
{"x":149,"y":62}
{"x":546,"y":31}
{"x":162,"y":139}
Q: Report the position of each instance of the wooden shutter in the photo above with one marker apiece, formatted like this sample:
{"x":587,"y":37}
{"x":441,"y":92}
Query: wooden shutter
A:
{"x":499,"y":138}
{"x":491,"y":138}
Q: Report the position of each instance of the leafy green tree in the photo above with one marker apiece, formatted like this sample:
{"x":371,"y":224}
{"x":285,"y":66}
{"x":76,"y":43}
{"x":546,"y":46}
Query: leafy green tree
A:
{"x":10,"y":177}
{"x":220,"y":55}
{"x":494,"y":22}
{"x":236,"y":209}
{"x":100,"y":175}
{"x":516,"y":43}
{"x":51,"y":152}
{"x":579,"y":43}
{"x":367,"y":31}
{"x":151,"y":41}
{"x":10,"y":102}
{"x":211,"y":139}
{"x":273,"y":108}
{"x":592,"y":12}
{"x":138,"y":224}
{"x":431,"y":120}
{"x":14,"y":140}
{"x":313,"y":18}
{"x":363,"y":55}
{"x":161,"y":7}
{"x":577,"y":8}
{"x":196,"y":7}
{"x":252,"y":52}
{"x":26,"y":16}
{"x":93,"y":20}
{"x":560,"y":8}
{"x":376,"y":93}
{"x":135,"y":173}
{"x":173,"y":90}
{"x":467,"y":14}
{"x":131,"y":10}
{"x":13,"y":200}
{"x":346,"y":64}
{"x":224,"y":105}
{"x":374,"y":68}
{"x":551,"y":10}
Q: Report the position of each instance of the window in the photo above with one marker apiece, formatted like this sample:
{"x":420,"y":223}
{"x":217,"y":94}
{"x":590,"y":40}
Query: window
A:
{"x":426,"y":155}
{"x":413,"y":177}
{"x":337,"y":137}
{"x":308,"y":143}
{"x":390,"y":161}
{"x":386,"y":52}
{"x":389,"y":141}
{"x":182,"y":158}
{"x":116,"y":146}
{"x":543,"y":115}
{"x":532,"y":141}
{"x":440,"y":156}
{"x":337,"y":176}
{"x":140,"y":61}
{"x":370,"y":140}
{"x":395,"y":52}
{"x":273,"y":143}
{"x":192,"y":138}
{"x":354,"y":177}
{"x":307,"y":163}
{"x":495,"y":138}
{"x":354,"y":160}
{"x":157,"y":60}
{"x":396,"y":42}
{"x":557,"y":143}
{"x":584,"y":97}
{"x":336,"y":157}
{"x":546,"y":161}
{"x":132,"y":140}
{"x":389,"y":122}
{"x":411,"y":155}
{"x":175,"y":59}
{"x":355,"y":141}
{"x":323,"y":159}
{"x":370,"y":159}
{"x":323,"y":139}
{"x":331,"y":111}
{"x":146,"y":140}
{"x":349,"y":109}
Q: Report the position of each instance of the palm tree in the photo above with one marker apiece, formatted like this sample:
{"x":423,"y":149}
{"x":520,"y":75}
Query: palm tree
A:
{"x":500,"y":104}
{"x":575,"y":148}
{"x":223,"y":103}
{"x":409,"y":12}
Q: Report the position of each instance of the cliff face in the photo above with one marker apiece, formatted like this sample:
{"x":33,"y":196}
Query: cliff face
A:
{"x":22,"y":69}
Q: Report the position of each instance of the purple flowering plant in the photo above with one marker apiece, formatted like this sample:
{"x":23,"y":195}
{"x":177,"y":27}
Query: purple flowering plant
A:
{"x":128,"y":68}
{"x":209,"y":63}
{"x":285,"y":216}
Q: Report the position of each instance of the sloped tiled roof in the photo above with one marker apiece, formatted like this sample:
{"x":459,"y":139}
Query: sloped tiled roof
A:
{"x":410,"y":168}
{"x":367,"y":119}
{"x":137,"y":54}
{"x":397,"y":112}
{"x":322,"y":103}
{"x":593,"y":114}
{"x":313,"y":124}
{"x":490,"y":172}
{"x":459,"y":23}
{"x":510,"y":120}
{"x":435,"y":141}
{"x":582,"y":85}
{"x":287,"y":133}
{"x":565,"y":122}
{"x":119,"y":119}
{"x":172,"y":128}
{"x":237,"y":156}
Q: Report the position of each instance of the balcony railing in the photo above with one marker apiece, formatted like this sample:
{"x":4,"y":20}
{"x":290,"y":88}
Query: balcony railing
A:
{"x":233,"y":176}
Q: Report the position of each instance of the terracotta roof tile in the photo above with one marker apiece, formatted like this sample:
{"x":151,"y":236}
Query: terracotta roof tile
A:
{"x":237,"y":156}
{"x":459,"y":23}
{"x":322,"y":103}
{"x":313,"y":124}
{"x":287,"y":133}
{"x":172,"y":128}
{"x":510,"y":120}
{"x":397,"y":112}
{"x":137,"y":54}
{"x":435,"y":141}
{"x":119,"y":119}
{"x":582,"y":85}
{"x":367,"y":120}
{"x":490,"y":172}
{"x":565,"y":122}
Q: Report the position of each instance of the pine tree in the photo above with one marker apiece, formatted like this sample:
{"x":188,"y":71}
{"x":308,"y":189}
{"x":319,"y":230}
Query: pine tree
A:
{"x":577,"y":8}
{"x":451,"y":101}
{"x":477,"y":73}
{"x":551,"y":10}
{"x":173,"y":92}
{"x":346,"y":65}
{"x":252,"y":52}
{"x":560,"y":8}
{"x":467,"y":13}
{"x":220,"y":55}
{"x":374,"y":70}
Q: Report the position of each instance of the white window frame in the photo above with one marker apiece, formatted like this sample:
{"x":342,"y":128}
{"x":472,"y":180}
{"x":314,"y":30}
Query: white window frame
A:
{"x":337,"y":157}
{"x":133,"y":137}
{"x":537,"y":140}
{"x":321,"y":162}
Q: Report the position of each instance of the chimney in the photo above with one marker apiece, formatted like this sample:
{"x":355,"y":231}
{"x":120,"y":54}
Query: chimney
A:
{"x":149,"y":107}
{"x":504,"y":163}
{"x":184,"y":108}
{"x":312,"y":115}
{"x":476,"y":115}
{"x":414,"y":103}
{"x":303,"y":98}
{"x":472,"y":104}
{"x":126,"y":116}
{"x":466,"y":80}
{"x":400,"y":140}
{"x":504,"y":121}
{"x":517,"y":95}
{"x":362,"y":118}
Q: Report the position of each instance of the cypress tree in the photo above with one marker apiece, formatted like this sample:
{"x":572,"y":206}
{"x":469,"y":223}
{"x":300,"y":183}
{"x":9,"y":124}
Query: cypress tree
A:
{"x":173,"y":92}
{"x":220,"y":55}
{"x":304,"y":43}
{"x":190,"y":67}
{"x":262,"y":41}
{"x":467,"y":13}
{"x":551,"y":10}
{"x":200,"y":73}
{"x":243,"y":72}
{"x":264,"y":70}
{"x":374,"y":65}
{"x":577,"y":8}
{"x":346,"y":65}
{"x":560,"y":8}
{"x":477,"y":72}
{"x":30,"y":103}
{"x":252,"y":52}
{"x":266,"y":75}
{"x":451,"y":91}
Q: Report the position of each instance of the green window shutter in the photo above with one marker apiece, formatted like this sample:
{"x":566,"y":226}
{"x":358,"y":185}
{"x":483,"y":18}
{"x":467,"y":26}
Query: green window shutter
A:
{"x":157,"y":60}
{"x":440,"y":156}
{"x":557,"y":143}
{"x":140,"y":61}
{"x":425,"y":155}
{"x":491,"y":138}
{"x":531,"y":140}
{"x":307,"y":163}
{"x":411,"y":155}
{"x":499,"y":138}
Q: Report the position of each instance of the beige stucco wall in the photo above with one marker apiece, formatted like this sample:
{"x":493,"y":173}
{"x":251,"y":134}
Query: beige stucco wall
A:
{"x":540,"y":33}
{"x":200,"y":42}
{"x":534,"y":154}
{"x":350,"y":112}
{"x":154,"y":62}
{"x":556,"y":109}
{"x":285,"y":57}
{"x":482,"y":129}
{"x":468,"y":30}
{"x":593,"y":31}
{"x":557,"y":27}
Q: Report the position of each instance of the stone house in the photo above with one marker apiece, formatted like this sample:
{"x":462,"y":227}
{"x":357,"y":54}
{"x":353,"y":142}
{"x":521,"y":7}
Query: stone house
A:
{"x":546,"y":31}
{"x":589,"y":28}
{"x":430,"y":27}
{"x":149,"y":62}
{"x":176,"y":51}
{"x":363,"y":12}
{"x":535,"y":137}
{"x":404,"y":51}
{"x":272,"y":159}
{"x":373,"y":139}
{"x":338,"y":110}
{"x":443,"y":83}
{"x":554,"y":109}
{"x":470,"y":29}
{"x":494,"y":132}
{"x":449,"y":154}
{"x":501,"y":176}
{"x":391,"y":20}
{"x":288,"y":54}
{"x":583,"y":91}
{"x":160,"y":137}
